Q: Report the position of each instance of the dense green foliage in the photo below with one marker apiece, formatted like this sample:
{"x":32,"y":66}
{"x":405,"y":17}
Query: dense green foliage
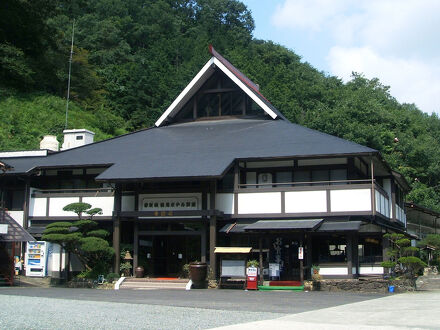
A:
{"x":133,"y":57}
{"x":432,"y":241}
{"x":403,"y":259}
{"x":83,"y":239}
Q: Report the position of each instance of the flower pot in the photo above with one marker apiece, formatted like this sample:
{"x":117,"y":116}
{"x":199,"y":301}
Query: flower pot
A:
{"x":197,"y":273}
{"x":139,"y":272}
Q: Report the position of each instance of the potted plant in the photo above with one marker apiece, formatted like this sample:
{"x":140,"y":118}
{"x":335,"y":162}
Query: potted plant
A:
{"x":316,"y":278}
{"x":125,"y":268}
{"x":252,"y":263}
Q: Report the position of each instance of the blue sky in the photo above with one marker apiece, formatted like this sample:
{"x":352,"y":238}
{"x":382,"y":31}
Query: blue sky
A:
{"x":393,"y":40}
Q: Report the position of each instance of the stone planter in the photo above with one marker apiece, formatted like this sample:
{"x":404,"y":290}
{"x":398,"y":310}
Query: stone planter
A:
{"x":139,"y":272}
{"x":198,"y":272}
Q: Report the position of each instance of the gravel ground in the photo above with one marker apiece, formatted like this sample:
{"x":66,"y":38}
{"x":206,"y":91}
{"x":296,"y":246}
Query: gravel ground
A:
{"x":21,"y":312}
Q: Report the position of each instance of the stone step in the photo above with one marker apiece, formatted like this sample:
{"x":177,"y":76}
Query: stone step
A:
{"x":155,"y":280}
{"x":139,"y":285}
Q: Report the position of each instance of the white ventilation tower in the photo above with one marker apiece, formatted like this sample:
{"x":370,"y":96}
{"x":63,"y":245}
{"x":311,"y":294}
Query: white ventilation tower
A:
{"x":76,"y":138}
{"x":50,"y":142}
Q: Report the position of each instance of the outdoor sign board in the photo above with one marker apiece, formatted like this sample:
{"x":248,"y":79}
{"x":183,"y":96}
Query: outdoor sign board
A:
{"x":300,"y":253}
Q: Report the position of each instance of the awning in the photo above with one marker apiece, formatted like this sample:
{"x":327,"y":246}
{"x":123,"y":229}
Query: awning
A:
{"x":16,"y":233}
{"x":232,"y":249}
{"x":306,"y":224}
{"x":233,"y":228}
{"x":339,"y":226}
{"x":36,"y":230}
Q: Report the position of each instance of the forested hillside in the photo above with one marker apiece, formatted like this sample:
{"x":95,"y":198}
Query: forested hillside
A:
{"x":133,"y":57}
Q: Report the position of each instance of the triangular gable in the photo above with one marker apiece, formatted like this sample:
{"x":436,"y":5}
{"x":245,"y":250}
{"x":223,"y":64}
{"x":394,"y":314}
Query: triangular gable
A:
{"x":244,"y":83}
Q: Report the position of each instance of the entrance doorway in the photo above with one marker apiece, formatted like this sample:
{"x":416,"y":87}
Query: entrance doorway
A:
{"x":165,"y":255}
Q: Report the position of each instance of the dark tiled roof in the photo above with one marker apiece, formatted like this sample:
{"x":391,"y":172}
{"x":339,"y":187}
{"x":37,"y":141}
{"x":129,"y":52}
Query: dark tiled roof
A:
{"x":16,"y":233}
{"x":196,"y":149}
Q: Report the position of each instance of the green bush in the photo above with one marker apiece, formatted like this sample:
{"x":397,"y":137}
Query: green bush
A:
{"x":112,"y":277}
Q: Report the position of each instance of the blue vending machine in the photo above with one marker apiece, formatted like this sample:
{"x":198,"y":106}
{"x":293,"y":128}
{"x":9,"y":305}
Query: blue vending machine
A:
{"x":36,"y":259}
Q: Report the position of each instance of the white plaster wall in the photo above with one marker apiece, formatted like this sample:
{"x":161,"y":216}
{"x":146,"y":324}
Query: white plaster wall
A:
{"x":56,"y":205}
{"x":333,"y":270}
{"x":105,"y":203}
{"x":306,"y":201}
{"x":37,"y":207}
{"x":225,"y":203}
{"x":251,"y":203}
{"x":350,"y":200}
{"x":370,"y":270}
{"x":17,"y":216}
{"x":127,"y":203}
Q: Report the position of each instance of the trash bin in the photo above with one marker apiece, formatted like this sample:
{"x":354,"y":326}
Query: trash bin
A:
{"x":390,"y":288}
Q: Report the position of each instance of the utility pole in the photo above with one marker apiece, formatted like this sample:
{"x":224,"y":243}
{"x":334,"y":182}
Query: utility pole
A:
{"x":70,"y":69}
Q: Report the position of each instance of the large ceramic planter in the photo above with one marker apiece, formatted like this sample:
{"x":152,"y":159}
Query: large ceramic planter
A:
{"x":197,"y":273}
{"x":139,"y":272}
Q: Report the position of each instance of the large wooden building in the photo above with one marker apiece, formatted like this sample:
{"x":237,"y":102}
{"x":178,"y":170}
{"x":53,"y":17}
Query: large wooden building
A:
{"x":222,"y":167}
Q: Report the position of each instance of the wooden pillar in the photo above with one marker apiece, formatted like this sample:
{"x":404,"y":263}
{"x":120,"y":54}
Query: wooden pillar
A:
{"x":212,"y":228}
{"x":203,"y":237}
{"x":355,"y":239}
{"x":309,"y":255}
{"x":393,"y":200}
{"x":116,"y":227}
{"x":373,"y":191}
{"x":27,"y":190}
{"x":349,"y":251}
{"x":260,"y":257}
{"x":135,"y":245}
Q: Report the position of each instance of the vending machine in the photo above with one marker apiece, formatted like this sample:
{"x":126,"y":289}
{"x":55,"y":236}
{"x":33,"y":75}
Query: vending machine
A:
{"x":36,"y":258}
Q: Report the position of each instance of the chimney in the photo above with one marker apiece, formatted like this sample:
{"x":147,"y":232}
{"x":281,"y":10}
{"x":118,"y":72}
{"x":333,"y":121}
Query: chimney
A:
{"x":74,"y":138}
{"x":50,"y":142}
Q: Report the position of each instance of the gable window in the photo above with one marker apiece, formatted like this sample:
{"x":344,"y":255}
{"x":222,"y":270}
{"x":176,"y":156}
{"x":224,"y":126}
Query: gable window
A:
{"x":219,"y":96}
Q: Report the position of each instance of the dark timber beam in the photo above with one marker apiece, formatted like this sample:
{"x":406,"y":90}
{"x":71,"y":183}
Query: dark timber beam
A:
{"x":349,"y":254}
{"x":212,"y":228}
{"x":116,"y":227}
{"x":135,"y":245}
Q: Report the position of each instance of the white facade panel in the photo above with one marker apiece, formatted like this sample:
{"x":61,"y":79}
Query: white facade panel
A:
{"x":252,"y":203}
{"x":105,"y":203}
{"x":306,"y":201}
{"x":17,"y":216}
{"x":370,"y":270}
{"x":333,"y":270}
{"x":348,"y":200}
{"x":56,"y":205}
{"x":37,"y":207}
{"x":225,"y":203}
{"x":127,"y":203}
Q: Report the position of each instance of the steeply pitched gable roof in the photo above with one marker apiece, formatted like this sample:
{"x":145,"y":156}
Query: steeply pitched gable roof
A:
{"x":243,"y":82}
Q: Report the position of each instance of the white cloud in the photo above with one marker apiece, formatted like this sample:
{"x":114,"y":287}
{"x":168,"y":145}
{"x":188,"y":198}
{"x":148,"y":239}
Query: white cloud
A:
{"x":305,"y":14}
{"x":410,"y":81}
{"x":393,"y":40}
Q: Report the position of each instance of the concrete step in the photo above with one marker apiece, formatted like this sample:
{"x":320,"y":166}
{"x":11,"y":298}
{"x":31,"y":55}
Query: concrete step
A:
{"x":428,"y":282}
{"x":152,"y":285}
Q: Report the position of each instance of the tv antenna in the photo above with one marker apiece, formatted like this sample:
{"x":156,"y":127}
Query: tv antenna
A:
{"x":70,"y":70}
